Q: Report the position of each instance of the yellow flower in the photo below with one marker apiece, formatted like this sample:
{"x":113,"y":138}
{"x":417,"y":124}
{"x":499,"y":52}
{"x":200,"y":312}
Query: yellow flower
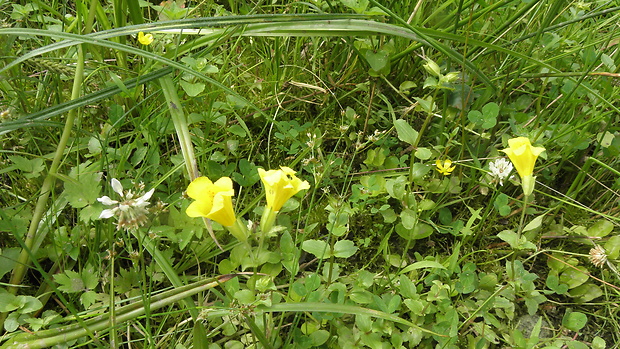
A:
{"x":523,"y":156}
{"x":213,"y":200}
{"x":145,"y":39}
{"x":280,"y":185}
{"x":445,"y":167}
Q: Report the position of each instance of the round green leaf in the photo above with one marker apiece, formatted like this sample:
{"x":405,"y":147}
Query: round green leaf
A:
{"x":423,"y":153}
{"x":422,"y":230}
{"x":319,"y":337}
{"x":601,"y":228}
{"x":573,"y":278}
{"x":408,"y":218}
{"x":344,"y":249}
{"x":574,"y":321}
{"x":316,"y":247}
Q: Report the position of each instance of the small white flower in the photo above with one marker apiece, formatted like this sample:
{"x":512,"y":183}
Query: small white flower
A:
{"x":500,"y":169}
{"x":130,"y":210}
{"x":598,"y":257}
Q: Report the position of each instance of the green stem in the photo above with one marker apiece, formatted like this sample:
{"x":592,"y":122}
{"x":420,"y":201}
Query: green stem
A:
{"x":24,"y":260}
{"x":526,"y":200}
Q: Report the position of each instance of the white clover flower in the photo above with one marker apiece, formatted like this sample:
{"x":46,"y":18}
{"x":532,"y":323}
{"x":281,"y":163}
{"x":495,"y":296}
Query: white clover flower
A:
{"x":500,"y":169}
{"x":130,"y":211}
{"x":598,"y":257}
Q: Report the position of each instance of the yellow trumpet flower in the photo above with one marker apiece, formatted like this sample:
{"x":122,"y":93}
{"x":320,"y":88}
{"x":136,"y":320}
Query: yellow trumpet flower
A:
{"x":523,"y":156}
{"x":280,"y":185}
{"x":214,"y":201}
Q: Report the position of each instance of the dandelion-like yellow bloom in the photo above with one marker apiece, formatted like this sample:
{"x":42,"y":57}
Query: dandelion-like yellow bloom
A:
{"x":445,"y":167}
{"x":280,"y":185}
{"x":523,"y":156}
{"x":213,"y":200}
{"x":145,"y":39}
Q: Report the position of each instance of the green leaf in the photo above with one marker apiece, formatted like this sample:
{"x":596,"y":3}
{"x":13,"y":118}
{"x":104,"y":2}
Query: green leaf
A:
{"x":409,"y":218}
{"x":586,"y":292}
{"x":12,"y":322}
{"x":421,"y":231}
{"x":201,"y":341}
{"x":8,"y":258}
{"x":574,"y":321}
{"x":237,"y":130}
{"x":422,"y":265}
{"x":69,"y":281}
{"x":487,"y":118}
{"x":534,"y":224}
{"x":8,"y":302}
{"x":576,"y":345}
{"x":598,"y":343}
{"x":319,"y":337}
{"x":516,"y":242}
{"x":468,"y":279}
{"x":475,"y":117}
{"x":405,"y":132}
{"x":423,"y":153}
{"x":601,"y":228}
{"x":359,"y":6}
{"x":83,"y":189}
{"x":612,"y":247}
{"x":574,"y":277}
{"x":379,"y":62}
{"x":29,"y":304}
{"x":31,"y":167}
{"x":192,"y":89}
{"x":90,"y":278}
{"x":553,"y":283}
{"x":344,"y":249}
{"x":318,"y":248}
{"x":419,"y":170}
{"x":88,"y":298}
{"x":396,"y":187}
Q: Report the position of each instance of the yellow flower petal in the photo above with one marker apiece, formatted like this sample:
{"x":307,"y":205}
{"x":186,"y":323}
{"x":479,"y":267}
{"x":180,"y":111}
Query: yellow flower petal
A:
{"x":145,"y":39}
{"x":523,"y":155}
{"x":280,"y":185}
{"x":213,"y":200}
{"x":445,"y":167}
